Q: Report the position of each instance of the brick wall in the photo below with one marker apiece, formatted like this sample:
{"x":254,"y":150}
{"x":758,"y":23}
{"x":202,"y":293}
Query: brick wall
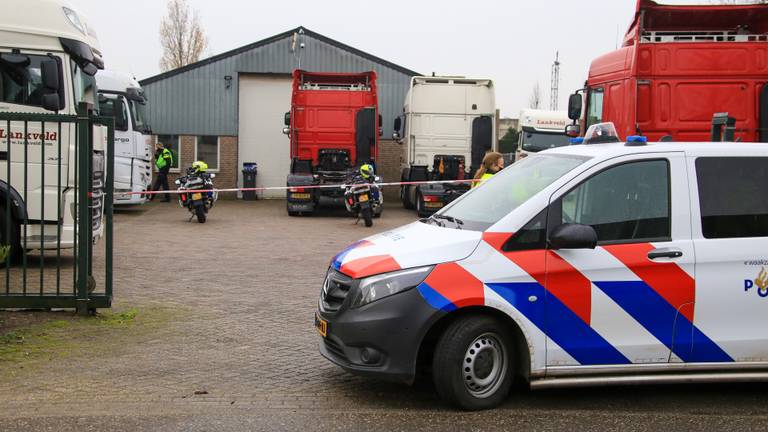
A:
{"x":390,"y":158}
{"x":226,"y":176}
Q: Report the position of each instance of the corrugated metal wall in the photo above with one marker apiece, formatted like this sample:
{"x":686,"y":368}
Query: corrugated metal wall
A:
{"x":197,"y":102}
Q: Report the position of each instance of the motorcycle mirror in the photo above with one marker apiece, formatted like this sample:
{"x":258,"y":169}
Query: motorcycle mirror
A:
{"x":213,"y":175}
{"x":178,"y":182}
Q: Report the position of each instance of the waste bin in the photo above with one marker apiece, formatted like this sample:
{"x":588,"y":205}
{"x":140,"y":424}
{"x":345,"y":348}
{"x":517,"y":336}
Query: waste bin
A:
{"x":249,"y":181}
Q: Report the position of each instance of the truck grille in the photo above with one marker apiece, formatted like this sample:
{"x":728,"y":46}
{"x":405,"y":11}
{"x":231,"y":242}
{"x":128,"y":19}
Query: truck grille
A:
{"x":97,"y":190}
{"x":335,"y":291}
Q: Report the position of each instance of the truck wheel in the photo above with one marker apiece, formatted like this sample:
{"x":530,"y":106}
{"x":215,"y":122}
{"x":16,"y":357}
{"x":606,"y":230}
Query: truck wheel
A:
{"x":367,"y":216}
{"x":405,"y":197}
{"x":473,"y":365}
{"x":10,"y":244}
{"x":200,"y":212}
{"x":421,"y":210}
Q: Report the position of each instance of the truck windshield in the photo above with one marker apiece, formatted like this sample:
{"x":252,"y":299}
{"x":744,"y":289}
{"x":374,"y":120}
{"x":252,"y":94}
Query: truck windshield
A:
{"x":536,"y":141}
{"x":496,"y":198}
{"x":139,"y":114}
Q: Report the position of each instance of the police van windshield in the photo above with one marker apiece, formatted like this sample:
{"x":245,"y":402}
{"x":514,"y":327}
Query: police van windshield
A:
{"x":536,"y":141}
{"x":496,"y":198}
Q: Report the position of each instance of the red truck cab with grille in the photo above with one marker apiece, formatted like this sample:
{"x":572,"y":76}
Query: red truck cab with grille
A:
{"x":334,"y":127}
{"x":677,"y":67}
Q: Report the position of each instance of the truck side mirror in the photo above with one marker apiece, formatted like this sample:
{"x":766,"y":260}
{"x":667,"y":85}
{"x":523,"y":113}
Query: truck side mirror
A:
{"x":381,"y":125}
{"x":287,"y":119}
{"x":396,"y":136}
{"x":398,"y":124}
{"x":573,"y":130}
{"x":574,"y":106}
{"x":286,"y":131}
{"x":50,"y":73}
{"x":121,"y":121}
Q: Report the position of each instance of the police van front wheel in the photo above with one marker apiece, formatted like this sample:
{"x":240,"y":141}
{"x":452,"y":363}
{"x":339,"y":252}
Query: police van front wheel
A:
{"x":472,"y":365}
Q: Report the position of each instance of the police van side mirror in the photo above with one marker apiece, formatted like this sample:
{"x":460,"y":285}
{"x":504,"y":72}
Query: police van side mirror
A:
{"x":573,"y":236}
{"x":574,"y":106}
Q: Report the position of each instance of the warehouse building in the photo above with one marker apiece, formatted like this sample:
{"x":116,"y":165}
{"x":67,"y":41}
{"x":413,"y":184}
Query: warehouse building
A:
{"x":228,"y":109}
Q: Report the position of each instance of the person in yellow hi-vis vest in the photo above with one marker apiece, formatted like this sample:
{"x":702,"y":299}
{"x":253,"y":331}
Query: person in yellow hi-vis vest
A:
{"x":163,"y":163}
{"x":492,"y":163}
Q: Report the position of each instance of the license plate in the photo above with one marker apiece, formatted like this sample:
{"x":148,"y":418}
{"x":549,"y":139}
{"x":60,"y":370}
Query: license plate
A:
{"x":433,"y":204}
{"x":300,"y":196}
{"x":197,"y":196}
{"x":363,"y":198}
{"x":321,"y":325}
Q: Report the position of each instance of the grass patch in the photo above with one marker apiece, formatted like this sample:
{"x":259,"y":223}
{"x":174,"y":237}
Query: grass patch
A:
{"x":72,"y":335}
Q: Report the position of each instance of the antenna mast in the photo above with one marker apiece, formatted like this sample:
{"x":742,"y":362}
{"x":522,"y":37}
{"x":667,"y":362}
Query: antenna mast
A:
{"x":555,"y":90}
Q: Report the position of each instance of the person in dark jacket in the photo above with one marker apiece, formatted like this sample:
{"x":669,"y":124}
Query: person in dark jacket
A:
{"x":163,"y":163}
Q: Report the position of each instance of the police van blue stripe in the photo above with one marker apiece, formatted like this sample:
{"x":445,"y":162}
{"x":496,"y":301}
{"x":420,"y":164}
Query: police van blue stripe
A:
{"x":560,"y":324}
{"x":435,"y":299}
{"x":338,"y":259}
{"x":663,"y":321}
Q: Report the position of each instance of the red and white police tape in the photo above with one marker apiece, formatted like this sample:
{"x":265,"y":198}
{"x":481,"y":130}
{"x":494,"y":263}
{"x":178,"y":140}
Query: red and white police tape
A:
{"x":296,"y":188}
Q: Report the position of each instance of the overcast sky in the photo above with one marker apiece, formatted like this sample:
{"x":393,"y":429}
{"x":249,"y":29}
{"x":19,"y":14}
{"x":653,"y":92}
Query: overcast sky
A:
{"x":512,"y":42}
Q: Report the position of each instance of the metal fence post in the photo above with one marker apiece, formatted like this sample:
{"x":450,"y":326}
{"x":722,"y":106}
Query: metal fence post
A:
{"x":84,"y":247}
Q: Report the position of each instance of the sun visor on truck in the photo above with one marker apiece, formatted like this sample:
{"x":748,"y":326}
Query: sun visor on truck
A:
{"x":81,"y":53}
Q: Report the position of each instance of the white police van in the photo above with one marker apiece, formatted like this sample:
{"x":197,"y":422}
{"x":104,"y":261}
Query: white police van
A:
{"x":590,"y":264}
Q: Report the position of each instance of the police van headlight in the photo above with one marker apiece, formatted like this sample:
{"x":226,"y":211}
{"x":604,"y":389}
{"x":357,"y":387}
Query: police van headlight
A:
{"x":388,"y":284}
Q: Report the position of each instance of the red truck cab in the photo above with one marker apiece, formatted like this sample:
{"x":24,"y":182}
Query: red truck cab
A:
{"x":679,"y":66}
{"x":334,"y":127}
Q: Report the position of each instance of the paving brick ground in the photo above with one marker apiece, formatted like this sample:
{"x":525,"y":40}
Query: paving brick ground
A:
{"x":240,"y":292}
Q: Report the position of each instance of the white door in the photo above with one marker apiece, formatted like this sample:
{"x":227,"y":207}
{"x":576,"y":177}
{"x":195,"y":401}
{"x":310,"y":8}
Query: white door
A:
{"x":730,"y":225}
{"x":622,"y":302}
{"x":263,"y":101}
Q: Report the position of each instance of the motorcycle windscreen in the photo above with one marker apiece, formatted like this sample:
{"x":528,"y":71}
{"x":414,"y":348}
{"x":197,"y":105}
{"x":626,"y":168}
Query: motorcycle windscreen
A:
{"x":482,"y":140}
{"x":365,"y":135}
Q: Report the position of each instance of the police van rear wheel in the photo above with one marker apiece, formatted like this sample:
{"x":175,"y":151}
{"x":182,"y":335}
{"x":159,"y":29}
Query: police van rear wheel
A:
{"x":472,"y":365}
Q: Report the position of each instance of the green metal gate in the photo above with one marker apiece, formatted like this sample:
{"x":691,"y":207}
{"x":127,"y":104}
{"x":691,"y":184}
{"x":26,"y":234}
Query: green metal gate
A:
{"x":57,"y":197}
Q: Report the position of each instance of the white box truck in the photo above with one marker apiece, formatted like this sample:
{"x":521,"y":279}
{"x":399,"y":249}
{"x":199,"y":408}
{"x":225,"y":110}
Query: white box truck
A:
{"x":448,"y":125}
{"x":48,"y":61}
{"x":121,"y":97}
{"x":540,"y":130}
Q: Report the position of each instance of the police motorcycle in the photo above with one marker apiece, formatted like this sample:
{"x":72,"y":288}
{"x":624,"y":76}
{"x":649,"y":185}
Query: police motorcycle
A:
{"x":363,"y":196}
{"x":197,"y":179}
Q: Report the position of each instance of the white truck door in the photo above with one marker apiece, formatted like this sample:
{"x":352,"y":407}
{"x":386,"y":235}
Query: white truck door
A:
{"x":730,"y":225}
{"x":619,"y":303}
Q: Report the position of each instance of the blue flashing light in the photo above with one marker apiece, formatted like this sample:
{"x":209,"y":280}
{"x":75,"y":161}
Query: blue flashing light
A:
{"x":636,"y":140}
{"x":575,"y":141}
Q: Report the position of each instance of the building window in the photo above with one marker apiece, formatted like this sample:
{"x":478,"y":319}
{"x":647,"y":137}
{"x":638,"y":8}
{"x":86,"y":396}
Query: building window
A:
{"x":207,"y":150}
{"x":173,"y":143}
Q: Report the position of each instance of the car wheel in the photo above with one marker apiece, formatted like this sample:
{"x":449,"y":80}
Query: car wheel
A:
{"x":10,"y":246}
{"x":473,"y":367}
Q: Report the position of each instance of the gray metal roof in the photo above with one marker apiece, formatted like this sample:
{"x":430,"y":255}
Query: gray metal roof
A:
{"x":194,"y":100}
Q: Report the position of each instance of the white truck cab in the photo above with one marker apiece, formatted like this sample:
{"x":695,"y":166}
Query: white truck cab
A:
{"x":121,"y":96}
{"x":541,"y":130}
{"x":48,"y":58}
{"x":589,"y":264}
{"x":447,"y":127}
